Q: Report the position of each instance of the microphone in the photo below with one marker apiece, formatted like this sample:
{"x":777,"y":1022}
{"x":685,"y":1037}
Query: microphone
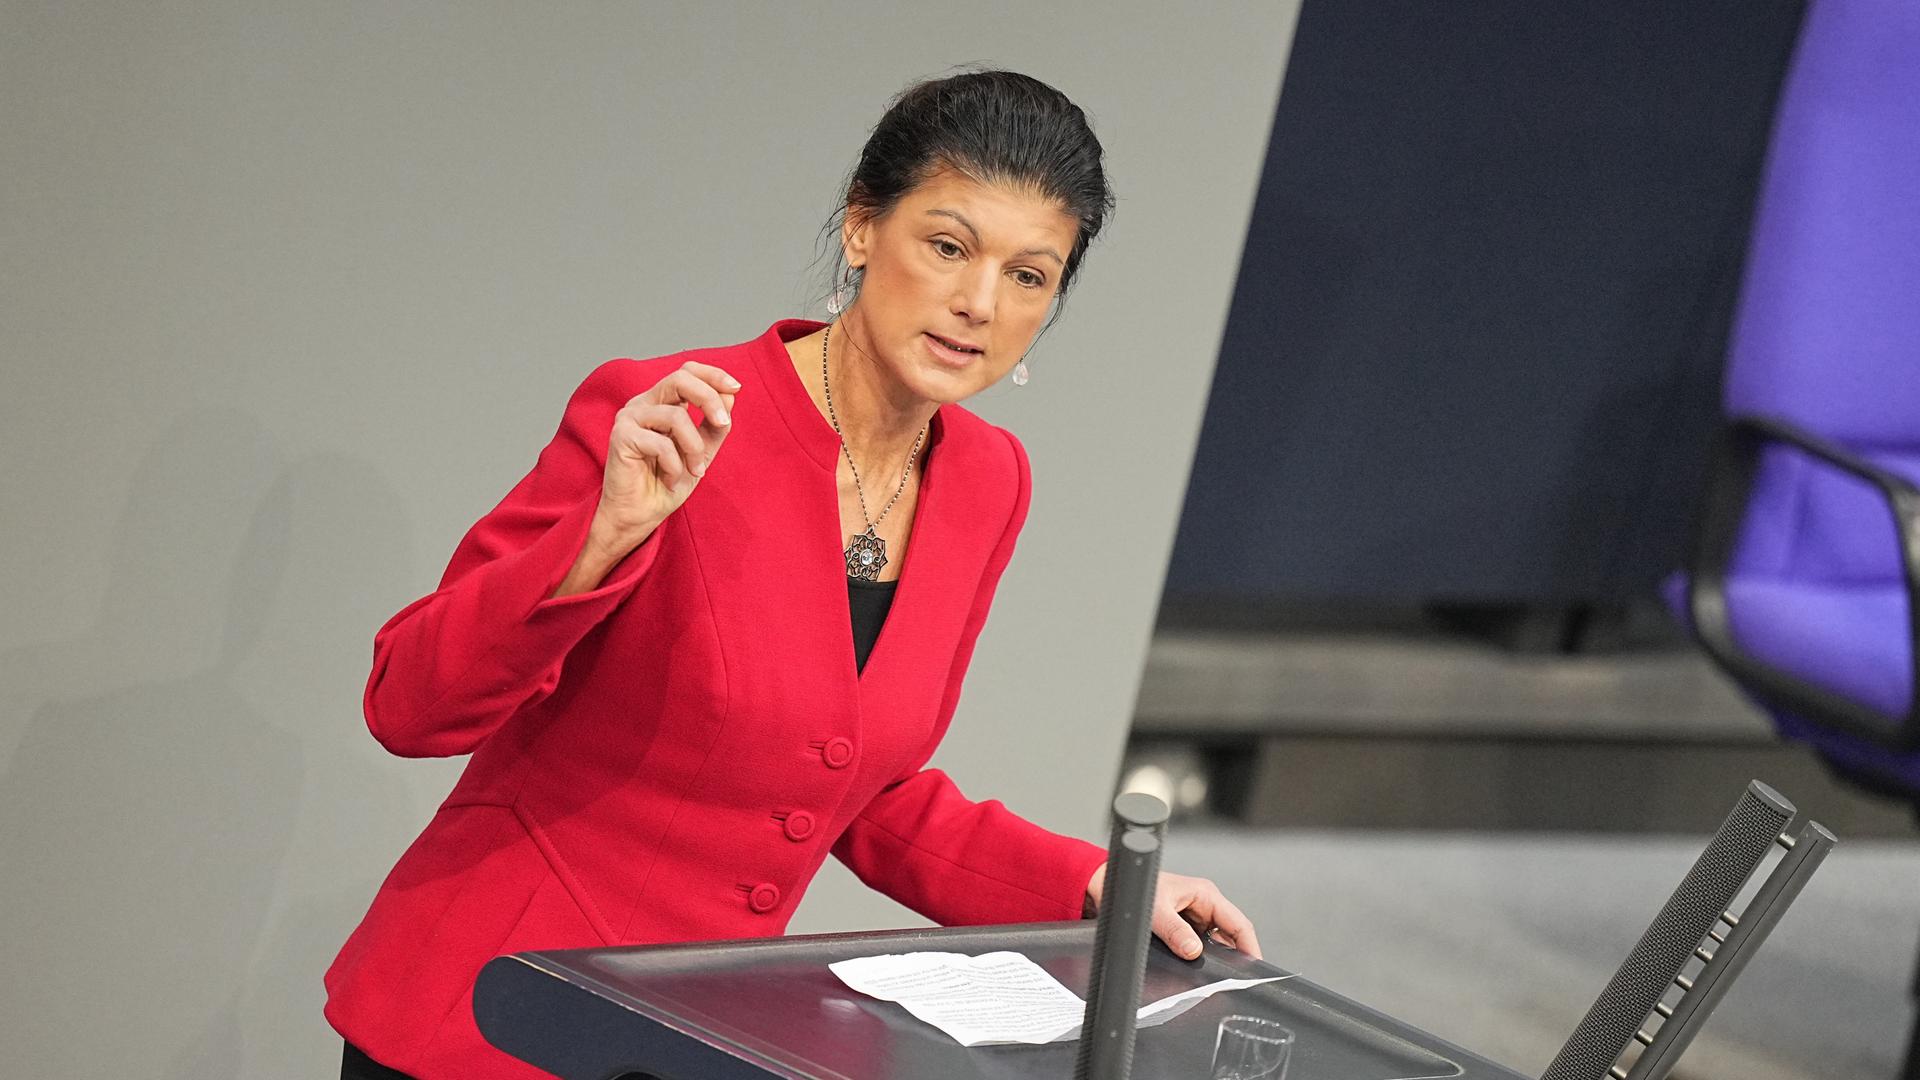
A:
{"x":1121,"y":937}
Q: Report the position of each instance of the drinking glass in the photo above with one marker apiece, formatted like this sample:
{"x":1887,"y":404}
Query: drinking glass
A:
{"x":1251,"y":1048}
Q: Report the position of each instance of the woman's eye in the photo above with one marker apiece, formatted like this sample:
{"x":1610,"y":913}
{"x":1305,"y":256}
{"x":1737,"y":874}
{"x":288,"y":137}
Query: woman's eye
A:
{"x":947,"y":248}
{"x":1030,"y":279}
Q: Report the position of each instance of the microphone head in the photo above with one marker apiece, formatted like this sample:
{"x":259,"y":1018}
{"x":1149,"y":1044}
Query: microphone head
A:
{"x":1141,"y":810}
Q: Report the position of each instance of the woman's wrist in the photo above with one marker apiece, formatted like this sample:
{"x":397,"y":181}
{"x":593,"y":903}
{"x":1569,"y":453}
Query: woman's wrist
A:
{"x":607,"y":543}
{"x":610,"y":538}
{"x":1090,"y":906}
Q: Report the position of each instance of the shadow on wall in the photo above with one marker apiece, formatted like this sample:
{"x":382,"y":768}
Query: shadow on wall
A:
{"x":164,"y":765}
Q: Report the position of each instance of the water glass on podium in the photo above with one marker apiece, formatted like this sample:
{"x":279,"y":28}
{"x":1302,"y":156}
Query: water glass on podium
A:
{"x":1250,"y":1048}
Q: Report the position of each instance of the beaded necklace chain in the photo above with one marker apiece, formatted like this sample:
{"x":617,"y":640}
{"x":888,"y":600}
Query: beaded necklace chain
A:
{"x":866,"y":552}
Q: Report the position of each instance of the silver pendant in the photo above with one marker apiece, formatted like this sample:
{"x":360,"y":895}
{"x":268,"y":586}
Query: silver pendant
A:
{"x":866,"y":554}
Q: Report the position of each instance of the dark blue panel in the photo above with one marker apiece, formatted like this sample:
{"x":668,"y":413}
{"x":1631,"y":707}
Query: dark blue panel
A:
{"x":1474,"y":347}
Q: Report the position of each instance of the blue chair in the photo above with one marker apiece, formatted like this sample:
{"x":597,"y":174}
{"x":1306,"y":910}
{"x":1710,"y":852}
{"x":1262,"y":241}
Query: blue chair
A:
{"x":1807,"y":563}
{"x":1804,"y":584}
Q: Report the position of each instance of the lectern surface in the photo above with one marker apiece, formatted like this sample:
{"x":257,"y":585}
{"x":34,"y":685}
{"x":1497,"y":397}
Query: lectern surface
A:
{"x":770,"y":1008}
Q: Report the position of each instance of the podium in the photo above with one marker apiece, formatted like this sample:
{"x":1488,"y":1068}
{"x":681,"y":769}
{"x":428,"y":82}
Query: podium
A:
{"x":764,"y":1008}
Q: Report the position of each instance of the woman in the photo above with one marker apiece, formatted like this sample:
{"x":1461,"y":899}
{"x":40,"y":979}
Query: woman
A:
{"x":663,"y":648}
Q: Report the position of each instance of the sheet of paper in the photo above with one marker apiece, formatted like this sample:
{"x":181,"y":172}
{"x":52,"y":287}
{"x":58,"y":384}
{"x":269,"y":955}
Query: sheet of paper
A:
{"x":998,"y":997}
{"x":1169,"y":1007}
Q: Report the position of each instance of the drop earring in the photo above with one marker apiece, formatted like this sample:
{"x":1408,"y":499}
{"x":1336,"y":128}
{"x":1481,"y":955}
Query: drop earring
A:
{"x":1020,"y":372}
{"x":842,"y":295}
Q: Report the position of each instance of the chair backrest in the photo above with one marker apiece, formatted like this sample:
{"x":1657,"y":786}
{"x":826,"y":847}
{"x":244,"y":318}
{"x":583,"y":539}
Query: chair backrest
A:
{"x":1828,"y":331}
{"x":1827,"y":335}
{"x":1696,"y":946}
{"x":1817,"y":588}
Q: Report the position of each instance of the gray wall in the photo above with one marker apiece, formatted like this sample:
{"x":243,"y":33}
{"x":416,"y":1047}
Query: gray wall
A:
{"x":293,"y":293}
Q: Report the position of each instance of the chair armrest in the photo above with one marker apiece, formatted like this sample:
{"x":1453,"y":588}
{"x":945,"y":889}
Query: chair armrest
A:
{"x":1729,"y":487}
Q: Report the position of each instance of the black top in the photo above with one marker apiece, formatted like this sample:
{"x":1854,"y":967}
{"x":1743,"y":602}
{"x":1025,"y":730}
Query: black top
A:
{"x":868,"y":601}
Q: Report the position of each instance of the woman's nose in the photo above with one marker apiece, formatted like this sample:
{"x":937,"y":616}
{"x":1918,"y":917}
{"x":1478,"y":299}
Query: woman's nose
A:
{"x":973,"y":296}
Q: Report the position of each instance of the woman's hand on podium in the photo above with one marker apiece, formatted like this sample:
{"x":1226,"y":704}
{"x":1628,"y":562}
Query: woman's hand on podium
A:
{"x":1185,"y":909}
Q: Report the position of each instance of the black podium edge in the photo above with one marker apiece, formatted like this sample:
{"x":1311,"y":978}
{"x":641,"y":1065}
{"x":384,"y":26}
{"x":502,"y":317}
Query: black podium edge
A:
{"x":681,"y":1045}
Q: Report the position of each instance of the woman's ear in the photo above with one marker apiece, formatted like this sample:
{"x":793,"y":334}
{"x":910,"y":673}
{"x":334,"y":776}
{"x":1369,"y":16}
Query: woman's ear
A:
{"x":856,"y":235}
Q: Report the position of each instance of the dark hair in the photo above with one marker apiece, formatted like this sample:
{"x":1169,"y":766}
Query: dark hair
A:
{"x":993,"y":126}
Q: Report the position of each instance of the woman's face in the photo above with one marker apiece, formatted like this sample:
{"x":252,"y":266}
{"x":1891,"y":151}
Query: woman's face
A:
{"x":974,"y":264}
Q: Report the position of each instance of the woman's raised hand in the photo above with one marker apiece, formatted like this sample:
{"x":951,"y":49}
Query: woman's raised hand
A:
{"x":656,"y":455}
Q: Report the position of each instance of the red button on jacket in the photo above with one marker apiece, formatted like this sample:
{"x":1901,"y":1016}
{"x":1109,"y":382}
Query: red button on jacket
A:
{"x":838,"y":752}
{"x":610,"y":731}
{"x":798,"y":826}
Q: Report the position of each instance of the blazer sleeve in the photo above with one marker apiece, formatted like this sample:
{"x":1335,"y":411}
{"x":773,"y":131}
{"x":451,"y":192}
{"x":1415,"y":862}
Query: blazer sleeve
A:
{"x":953,"y":860}
{"x":451,"y":667}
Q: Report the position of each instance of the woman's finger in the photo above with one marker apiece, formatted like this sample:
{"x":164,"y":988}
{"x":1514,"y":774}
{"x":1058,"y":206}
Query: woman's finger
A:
{"x":690,"y":385}
{"x":682,"y":388}
{"x":1231,"y":922}
{"x":714,"y":430}
{"x":712,"y":376}
{"x":673,"y":422}
{"x":1170,"y":921}
{"x":649,"y":447}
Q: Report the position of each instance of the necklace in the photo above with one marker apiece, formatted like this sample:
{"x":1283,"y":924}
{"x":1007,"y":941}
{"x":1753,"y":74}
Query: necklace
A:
{"x":866,"y":552}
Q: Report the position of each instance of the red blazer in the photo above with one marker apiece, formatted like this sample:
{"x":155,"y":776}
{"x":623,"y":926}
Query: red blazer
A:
{"x":671,"y":756}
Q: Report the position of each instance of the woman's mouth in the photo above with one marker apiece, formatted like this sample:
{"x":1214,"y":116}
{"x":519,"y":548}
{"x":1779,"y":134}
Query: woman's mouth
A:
{"x":950,"y":352}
